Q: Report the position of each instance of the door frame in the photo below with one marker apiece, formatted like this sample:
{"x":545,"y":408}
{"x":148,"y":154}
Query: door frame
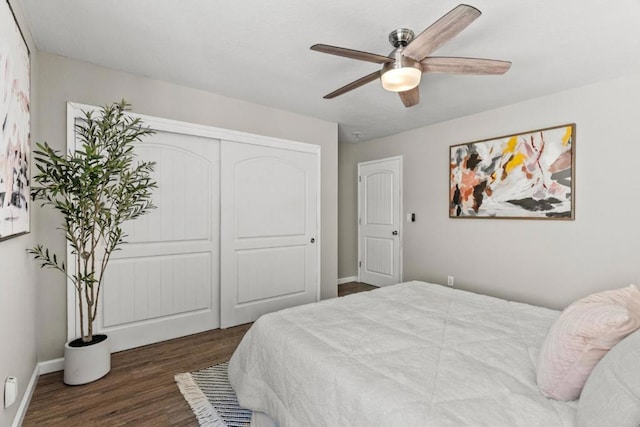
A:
{"x":400,"y":219}
{"x":76,"y":110}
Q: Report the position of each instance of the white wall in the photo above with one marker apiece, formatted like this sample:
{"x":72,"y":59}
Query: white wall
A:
{"x":549,"y":263}
{"x":18,"y":285}
{"x":17,"y":318}
{"x":63,"y":80}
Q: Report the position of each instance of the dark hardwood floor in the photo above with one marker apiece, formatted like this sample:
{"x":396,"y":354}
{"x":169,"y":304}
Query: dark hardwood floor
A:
{"x":353,"y":288}
{"x":140,"y":390}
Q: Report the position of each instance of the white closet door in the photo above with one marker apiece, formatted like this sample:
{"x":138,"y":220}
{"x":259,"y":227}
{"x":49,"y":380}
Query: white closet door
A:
{"x":164,"y":283}
{"x":269,"y":230}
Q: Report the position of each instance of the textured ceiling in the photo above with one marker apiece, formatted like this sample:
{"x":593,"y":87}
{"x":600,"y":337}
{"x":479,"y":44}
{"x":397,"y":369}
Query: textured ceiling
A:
{"x":258,"y":50}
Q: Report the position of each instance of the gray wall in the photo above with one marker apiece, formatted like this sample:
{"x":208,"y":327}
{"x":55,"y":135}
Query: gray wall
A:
{"x":549,"y":263}
{"x":63,"y":80}
{"x":18,"y":285}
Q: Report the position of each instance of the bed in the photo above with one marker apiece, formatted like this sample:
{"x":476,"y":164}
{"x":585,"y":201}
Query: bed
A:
{"x":412,"y":354}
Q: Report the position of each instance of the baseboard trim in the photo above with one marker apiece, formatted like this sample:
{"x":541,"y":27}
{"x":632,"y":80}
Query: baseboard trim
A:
{"x":41,"y":368}
{"x":344,"y":280}
{"x":26,"y":398}
{"x":53,"y":365}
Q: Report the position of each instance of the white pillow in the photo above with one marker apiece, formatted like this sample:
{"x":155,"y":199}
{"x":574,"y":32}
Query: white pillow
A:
{"x":611,"y":396}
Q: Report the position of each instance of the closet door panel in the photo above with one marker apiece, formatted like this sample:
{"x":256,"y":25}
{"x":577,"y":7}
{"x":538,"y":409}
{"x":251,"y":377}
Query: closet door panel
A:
{"x":269,"y":230}
{"x":164,"y":282}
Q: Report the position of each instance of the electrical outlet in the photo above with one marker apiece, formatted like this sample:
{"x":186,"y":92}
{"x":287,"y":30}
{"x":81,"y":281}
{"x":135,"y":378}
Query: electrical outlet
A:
{"x":10,"y":391}
{"x":450,"y":281}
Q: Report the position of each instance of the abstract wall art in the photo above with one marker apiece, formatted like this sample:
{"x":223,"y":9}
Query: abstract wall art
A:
{"x":15,"y":124}
{"x":528,"y":175}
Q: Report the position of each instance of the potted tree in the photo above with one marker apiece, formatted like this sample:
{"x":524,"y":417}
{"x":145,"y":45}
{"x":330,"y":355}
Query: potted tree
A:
{"x":96,"y":189}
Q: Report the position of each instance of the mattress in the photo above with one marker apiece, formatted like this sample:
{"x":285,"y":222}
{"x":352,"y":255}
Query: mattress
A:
{"x":412,"y":354}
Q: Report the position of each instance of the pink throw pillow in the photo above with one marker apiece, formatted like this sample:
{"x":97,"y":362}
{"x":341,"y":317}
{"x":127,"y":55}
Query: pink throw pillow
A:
{"x":581,"y":336}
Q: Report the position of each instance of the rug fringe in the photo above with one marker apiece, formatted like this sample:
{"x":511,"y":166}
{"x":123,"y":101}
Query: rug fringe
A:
{"x":205,"y":412}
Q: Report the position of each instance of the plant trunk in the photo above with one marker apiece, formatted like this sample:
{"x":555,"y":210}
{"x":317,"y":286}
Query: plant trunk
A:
{"x":81,"y":311}
{"x":90,"y":316}
{"x":89,"y":336}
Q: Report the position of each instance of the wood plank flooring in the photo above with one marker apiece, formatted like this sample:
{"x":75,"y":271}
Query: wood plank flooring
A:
{"x":140,"y":390}
{"x":353,"y":288}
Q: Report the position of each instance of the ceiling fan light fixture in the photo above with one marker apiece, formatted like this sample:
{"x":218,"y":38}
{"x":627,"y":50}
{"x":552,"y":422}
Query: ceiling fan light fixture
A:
{"x":401,"y":75}
{"x":401,"y":79}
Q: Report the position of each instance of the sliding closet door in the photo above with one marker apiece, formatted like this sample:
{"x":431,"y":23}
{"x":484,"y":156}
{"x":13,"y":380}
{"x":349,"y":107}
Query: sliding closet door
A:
{"x":164,"y":283}
{"x":269,"y":229}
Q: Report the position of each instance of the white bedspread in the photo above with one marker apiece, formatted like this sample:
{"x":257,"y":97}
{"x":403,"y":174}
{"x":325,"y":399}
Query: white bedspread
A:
{"x":413,"y":354}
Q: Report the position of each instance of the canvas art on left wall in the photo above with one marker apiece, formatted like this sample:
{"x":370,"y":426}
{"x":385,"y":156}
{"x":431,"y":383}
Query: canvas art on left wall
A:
{"x":15,"y":150}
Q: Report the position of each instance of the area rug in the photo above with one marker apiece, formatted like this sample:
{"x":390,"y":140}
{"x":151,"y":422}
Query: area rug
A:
{"x":212,"y":399}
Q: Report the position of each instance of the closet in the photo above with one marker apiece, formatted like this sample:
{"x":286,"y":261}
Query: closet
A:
{"x":235,"y":234}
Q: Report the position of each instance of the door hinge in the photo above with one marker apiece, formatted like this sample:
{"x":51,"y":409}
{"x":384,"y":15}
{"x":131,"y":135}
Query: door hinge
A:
{"x":360,"y":221}
{"x":360,"y":264}
{"x":359,"y":179}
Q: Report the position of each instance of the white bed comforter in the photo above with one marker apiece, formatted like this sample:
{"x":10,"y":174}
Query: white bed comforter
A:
{"x":413,"y":354}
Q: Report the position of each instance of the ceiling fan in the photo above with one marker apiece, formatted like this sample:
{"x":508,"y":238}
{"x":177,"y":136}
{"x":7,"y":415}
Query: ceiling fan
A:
{"x":402,"y":69}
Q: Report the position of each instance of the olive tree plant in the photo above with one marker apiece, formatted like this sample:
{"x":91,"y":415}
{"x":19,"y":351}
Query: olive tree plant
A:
{"x":96,"y":188}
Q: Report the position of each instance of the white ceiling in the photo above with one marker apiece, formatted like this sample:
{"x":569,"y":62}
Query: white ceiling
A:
{"x":258,"y":50}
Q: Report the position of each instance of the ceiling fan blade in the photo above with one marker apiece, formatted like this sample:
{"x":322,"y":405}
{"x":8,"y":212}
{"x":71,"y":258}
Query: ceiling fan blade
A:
{"x":444,"y":64}
{"x":410,"y":97}
{"x":441,"y":31}
{"x":354,"y":85}
{"x":351,"y":53}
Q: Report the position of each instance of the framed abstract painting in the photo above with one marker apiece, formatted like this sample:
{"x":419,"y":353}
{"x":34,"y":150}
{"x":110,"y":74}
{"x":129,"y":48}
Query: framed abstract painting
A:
{"x":528,"y":175}
{"x":15,"y":148}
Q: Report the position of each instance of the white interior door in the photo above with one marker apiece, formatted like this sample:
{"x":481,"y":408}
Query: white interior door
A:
{"x":164,"y":283}
{"x":270,"y":229}
{"x":379,"y":212}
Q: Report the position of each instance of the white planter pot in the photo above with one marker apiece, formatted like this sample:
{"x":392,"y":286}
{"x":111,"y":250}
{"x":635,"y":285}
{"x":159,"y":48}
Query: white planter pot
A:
{"x":85,"y":364}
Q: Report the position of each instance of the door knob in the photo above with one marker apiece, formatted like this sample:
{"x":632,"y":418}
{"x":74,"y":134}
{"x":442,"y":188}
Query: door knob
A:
{"x":313,"y":240}
{"x":395,"y":232}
